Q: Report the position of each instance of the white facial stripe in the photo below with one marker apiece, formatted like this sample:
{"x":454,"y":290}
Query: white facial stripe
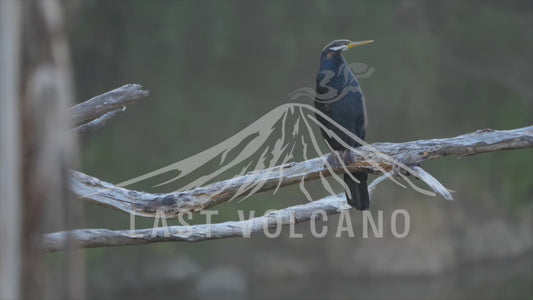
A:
{"x":337,"y":48}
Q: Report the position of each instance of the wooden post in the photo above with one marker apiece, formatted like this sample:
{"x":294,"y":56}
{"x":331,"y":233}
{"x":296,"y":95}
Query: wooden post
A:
{"x":10,"y":154}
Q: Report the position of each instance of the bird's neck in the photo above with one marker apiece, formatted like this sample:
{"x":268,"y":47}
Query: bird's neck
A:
{"x":333,"y":62}
{"x":334,"y":74}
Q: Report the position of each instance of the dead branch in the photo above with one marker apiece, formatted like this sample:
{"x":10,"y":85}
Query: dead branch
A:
{"x":100,"y":105}
{"x":97,"y":123}
{"x":91,"y":238}
{"x":374,"y":158}
{"x":382,"y":155}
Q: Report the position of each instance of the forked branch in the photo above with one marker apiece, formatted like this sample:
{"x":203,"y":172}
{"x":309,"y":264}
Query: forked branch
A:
{"x":94,"y":112}
{"x":383,"y":155}
{"x":312,"y":211}
{"x":374,"y":158}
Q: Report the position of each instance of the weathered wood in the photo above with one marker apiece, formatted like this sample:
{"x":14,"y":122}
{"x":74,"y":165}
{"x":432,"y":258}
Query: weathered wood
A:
{"x":311,"y":211}
{"x":11,"y":204}
{"x":49,"y":152}
{"x":90,"y":238}
{"x":373,"y":158}
{"x":107,"y":102}
{"x":97,"y":123}
{"x":393,"y":159}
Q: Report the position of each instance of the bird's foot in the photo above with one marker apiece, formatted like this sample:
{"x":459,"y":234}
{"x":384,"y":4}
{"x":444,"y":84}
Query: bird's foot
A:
{"x":333,"y":160}
{"x":345,"y":156}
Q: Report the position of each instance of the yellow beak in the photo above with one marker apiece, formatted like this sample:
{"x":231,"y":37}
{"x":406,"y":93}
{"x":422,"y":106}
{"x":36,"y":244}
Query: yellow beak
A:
{"x":357,"y":44}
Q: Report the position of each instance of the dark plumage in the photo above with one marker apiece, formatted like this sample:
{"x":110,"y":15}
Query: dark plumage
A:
{"x":339,"y":96}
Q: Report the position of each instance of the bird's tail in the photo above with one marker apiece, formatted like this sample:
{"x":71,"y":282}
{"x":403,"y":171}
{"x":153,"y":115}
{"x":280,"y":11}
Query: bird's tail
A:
{"x":358,"y":190}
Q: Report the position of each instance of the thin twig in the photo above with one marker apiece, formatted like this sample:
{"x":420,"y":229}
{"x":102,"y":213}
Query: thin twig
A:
{"x":107,"y":102}
{"x":97,"y":123}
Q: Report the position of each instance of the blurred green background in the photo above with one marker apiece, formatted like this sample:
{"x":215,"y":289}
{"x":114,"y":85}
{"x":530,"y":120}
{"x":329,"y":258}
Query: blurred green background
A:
{"x":442,"y":68}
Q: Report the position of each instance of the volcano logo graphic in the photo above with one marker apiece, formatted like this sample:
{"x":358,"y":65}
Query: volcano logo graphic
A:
{"x":282,"y":136}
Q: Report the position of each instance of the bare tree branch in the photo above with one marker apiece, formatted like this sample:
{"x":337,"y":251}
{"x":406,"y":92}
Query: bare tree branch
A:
{"x":382,"y":155}
{"x":374,"y":158}
{"x":98,"y":106}
{"x":90,"y":238}
{"x":97,"y":123}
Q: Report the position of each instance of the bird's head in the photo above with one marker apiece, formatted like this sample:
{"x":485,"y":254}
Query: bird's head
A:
{"x":335,"y":47}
